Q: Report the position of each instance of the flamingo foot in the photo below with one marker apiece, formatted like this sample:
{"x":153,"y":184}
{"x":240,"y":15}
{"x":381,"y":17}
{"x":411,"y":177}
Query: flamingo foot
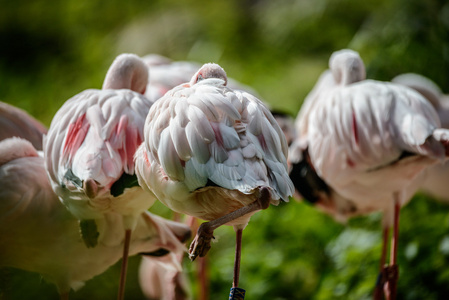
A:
{"x":201,"y":243}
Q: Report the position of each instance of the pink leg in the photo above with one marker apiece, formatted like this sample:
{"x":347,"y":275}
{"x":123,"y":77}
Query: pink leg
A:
{"x":393,"y":271}
{"x":202,"y":273}
{"x":238,"y":252}
{"x":201,"y":244}
{"x":203,"y":277}
{"x":121,"y":293}
{"x":378,"y":290}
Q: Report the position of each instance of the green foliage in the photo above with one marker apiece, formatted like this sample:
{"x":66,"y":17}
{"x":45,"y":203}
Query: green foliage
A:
{"x":53,"y":50}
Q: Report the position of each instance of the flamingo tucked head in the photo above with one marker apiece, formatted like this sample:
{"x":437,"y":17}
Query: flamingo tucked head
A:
{"x":128,"y":71}
{"x":347,"y":67}
{"x":209,"y":70}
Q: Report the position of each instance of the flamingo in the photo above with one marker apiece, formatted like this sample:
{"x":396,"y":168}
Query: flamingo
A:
{"x":364,"y":145}
{"x":34,"y":222}
{"x":213,"y":153}
{"x":17,"y":122}
{"x":166,"y":74}
{"x":89,"y":153}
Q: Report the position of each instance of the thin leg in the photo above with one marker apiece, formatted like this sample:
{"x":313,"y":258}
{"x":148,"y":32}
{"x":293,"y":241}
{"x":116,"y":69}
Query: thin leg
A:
{"x":394,"y":241}
{"x":238,"y":252}
{"x":383,"y":257}
{"x":204,"y":278}
{"x":202,"y":273}
{"x":393,"y":272}
{"x":201,"y":244}
{"x":121,"y":292}
{"x":378,"y":290}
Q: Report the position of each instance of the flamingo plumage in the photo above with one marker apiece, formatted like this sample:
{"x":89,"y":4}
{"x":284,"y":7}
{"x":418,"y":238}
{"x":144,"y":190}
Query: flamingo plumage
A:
{"x":363,"y":147}
{"x":89,"y":152}
{"x":430,"y":90}
{"x":17,"y":122}
{"x":434,"y":179}
{"x":213,"y":153}
{"x":33,"y":222}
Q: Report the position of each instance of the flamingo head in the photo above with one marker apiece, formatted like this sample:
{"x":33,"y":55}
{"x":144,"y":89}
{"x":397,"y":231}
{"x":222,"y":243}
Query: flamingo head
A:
{"x":347,"y":67}
{"x":209,"y":70}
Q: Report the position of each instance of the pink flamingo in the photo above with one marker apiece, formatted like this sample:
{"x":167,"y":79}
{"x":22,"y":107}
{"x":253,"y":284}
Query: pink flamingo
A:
{"x":89,"y":153}
{"x":17,"y":122}
{"x":363,"y":146}
{"x":166,"y":74}
{"x":33,"y":221}
{"x":213,"y":153}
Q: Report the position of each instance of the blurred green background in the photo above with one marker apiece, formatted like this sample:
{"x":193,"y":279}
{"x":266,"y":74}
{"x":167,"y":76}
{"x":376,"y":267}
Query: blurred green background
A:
{"x":51,"y":50}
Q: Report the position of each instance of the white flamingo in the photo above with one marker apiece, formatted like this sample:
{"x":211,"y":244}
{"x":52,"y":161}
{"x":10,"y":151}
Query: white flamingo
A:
{"x":213,"y":153}
{"x":17,"y":122}
{"x":34,"y":222}
{"x":166,"y":74}
{"x":364,"y":145}
{"x":89,"y":152}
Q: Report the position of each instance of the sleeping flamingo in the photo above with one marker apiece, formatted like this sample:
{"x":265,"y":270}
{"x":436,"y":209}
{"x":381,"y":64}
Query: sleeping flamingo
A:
{"x":213,"y":153}
{"x":363,"y":146}
{"x":39,"y":234}
{"x":166,"y":74}
{"x":89,"y":153}
{"x":17,"y":122}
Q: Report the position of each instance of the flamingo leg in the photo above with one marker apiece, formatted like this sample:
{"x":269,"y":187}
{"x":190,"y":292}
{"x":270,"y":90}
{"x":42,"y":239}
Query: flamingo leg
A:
{"x":393,"y":270}
{"x":203,"y":276}
{"x":124,"y":268}
{"x":378,"y":290}
{"x":238,"y":252}
{"x":201,"y":244}
{"x":202,"y":273}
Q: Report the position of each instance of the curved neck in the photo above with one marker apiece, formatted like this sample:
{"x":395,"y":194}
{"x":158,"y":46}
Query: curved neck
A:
{"x":127,"y":71}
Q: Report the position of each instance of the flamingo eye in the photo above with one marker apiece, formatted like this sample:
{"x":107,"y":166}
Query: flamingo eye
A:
{"x":199,"y":78}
